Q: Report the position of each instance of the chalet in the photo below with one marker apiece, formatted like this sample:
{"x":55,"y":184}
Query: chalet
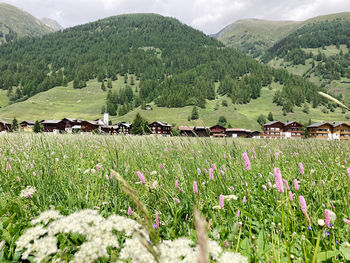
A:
{"x":187,"y":131}
{"x":273,"y":130}
{"x":255,"y":134}
{"x":341,"y":130}
{"x":124,"y":128}
{"x":202,"y":131}
{"x":110,"y":129}
{"x":293,"y":129}
{"x":54,"y":126}
{"x":72,"y":125}
{"x":5,"y":126}
{"x":235,"y":133}
{"x":321,"y":130}
{"x":27,"y":126}
{"x":89,"y":126}
{"x":161,"y":128}
{"x":217,"y":131}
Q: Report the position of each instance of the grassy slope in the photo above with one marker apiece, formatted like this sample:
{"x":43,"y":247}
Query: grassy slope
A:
{"x":3,"y":98}
{"x":21,"y":22}
{"x":86,"y":104}
{"x":335,"y":86}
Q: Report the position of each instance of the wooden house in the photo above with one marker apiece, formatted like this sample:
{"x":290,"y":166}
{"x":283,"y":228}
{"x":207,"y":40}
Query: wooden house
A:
{"x":202,"y":131}
{"x":72,"y":125}
{"x":110,"y":129}
{"x":89,"y":126}
{"x":341,"y":131}
{"x":217,"y":131}
{"x":255,"y":134}
{"x":27,"y":126}
{"x":124,"y":128}
{"x":273,"y":130}
{"x":321,"y":130}
{"x":54,"y":126}
{"x":187,"y":131}
{"x":5,"y":126}
{"x":235,"y":133}
{"x":161,"y":128}
{"x":293,"y":129}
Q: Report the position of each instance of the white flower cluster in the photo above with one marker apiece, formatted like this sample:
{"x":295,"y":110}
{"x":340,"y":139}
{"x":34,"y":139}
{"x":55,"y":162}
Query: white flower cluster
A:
{"x":99,"y":234}
{"x":28,"y":192}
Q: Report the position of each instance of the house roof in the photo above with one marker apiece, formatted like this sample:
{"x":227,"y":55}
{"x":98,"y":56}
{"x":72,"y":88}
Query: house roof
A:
{"x":273,"y":122}
{"x":50,"y":121}
{"x":217,"y":125}
{"x":236,"y":130}
{"x":4,"y":122}
{"x":318,"y":124}
{"x":336,"y":124}
{"x":162,"y":123}
{"x":186,"y":128}
{"x":28,"y":122}
{"x":125,"y":124}
{"x":201,"y":128}
{"x":291,"y":122}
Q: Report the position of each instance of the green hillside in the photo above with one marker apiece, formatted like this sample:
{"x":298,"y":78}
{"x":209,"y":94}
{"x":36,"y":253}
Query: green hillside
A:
{"x":16,"y":23}
{"x":52,"y":23}
{"x":255,"y":36}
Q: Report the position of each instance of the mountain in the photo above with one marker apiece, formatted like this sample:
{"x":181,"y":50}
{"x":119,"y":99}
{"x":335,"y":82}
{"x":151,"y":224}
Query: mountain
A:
{"x":129,"y":61}
{"x":16,"y":23}
{"x":52,"y":24}
{"x":255,"y":36}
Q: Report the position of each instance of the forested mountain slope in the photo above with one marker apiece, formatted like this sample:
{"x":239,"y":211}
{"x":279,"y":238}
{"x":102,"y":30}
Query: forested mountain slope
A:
{"x":16,"y":23}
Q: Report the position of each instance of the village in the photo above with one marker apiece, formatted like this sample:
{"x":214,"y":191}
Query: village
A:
{"x":271,"y":130}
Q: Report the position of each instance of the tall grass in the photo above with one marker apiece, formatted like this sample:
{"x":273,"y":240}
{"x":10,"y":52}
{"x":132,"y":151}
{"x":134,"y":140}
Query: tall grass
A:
{"x":73,"y":172}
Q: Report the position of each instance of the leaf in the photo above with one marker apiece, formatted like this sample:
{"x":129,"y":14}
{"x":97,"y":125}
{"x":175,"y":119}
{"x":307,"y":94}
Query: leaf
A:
{"x":345,"y":252}
{"x":323,"y":256}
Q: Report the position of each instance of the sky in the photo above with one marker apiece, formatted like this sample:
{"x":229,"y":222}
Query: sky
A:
{"x":209,"y":16}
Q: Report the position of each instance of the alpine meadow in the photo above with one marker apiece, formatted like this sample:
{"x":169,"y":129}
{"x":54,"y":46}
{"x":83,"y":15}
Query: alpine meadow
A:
{"x":138,"y":138}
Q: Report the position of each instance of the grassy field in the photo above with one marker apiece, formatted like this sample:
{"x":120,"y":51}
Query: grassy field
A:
{"x":234,"y":184}
{"x":3,"y":98}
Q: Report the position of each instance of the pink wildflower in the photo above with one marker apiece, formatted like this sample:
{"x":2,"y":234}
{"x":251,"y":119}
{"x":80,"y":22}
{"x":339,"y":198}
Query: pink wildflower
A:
{"x":141,"y":177}
{"x":34,"y":173}
{"x":244,"y":199}
{"x":246,"y":161}
{"x":301,"y":167}
{"x":176,"y":184}
{"x":296,"y":185}
{"x":286,"y":184}
{"x":8,"y":166}
{"x":346,"y":221}
{"x":221,"y":201}
{"x":327,"y":218}
{"x":278,"y":180}
{"x":211,"y":174}
{"x":238,"y":213}
{"x":195,"y":188}
{"x":214,"y":166}
{"x":348,"y":170}
{"x":129,"y":211}
{"x":81,"y":155}
{"x":198,"y":171}
{"x":302,"y":203}
{"x":18,"y":179}
{"x":264,"y":186}
{"x":160,"y":166}
{"x":290,"y":195}
{"x":157,"y":220}
{"x":177,"y":200}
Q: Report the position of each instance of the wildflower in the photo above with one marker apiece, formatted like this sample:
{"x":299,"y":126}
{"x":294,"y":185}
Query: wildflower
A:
{"x":230,"y":197}
{"x":214,"y":166}
{"x":18,"y":179}
{"x":28,"y":192}
{"x":221,"y":201}
{"x":34,"y":173}
{"x":286,"y":184}
{"x":155,"y":185}
{"x":244,"y":199}
{"x":320,"y":222}
{"x":211,"y":174}
{"x":157,"y":220}
{"x":301,"y":167}
{"x":296,"y":185}
{"x":278,"y":179}
{"x":329,"y":217}
{"x":176,"y":200}
{"x":195,"y":188}
{"x":176,"y":184}
{"x":160,"y":166}
{"x":348,"y":170}
{"x":141,"y":177}
{"x":302,"y":203}
{"x":290,"y":195}
{"x":129,"y":211}
{"x":269,"y":184}
{"x":238,"y":213}
{"x":8,"y":166}
{"x":326,"y":233}
{"x":346,"y":221}
{"x":264,"y":186}
{"x":198,"y":171}
{"x":246,"y":161}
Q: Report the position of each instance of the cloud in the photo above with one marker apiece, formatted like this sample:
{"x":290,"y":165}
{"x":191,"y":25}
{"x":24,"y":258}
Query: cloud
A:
{"x":209,"y":16}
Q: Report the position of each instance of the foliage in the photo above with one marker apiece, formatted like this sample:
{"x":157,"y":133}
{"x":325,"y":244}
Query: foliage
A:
{"x":38,"y":127}
{"x":222,"y":121}
{"x":139,"y":125}
{"x":261,"y":120}
{"x":14,"y":125}
{"x":270,"y":116}
{"x":194,"y":114}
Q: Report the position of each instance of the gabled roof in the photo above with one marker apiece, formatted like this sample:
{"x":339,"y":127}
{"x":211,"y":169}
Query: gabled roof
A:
{"x":291,"y":122}
{"x":4,"y":122}
{"x":237,"y":130}
{"x":336,"y":124}
{"x":273,"y":122}
{"x":217,"y":125}
{"x":125,"y":124}
{"x":28,"y":122}
{"x":161,"y":123}
{"x":318,"y":124}
{"x":201,"y":128}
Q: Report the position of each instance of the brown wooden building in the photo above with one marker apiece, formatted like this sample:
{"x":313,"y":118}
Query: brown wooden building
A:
{"x":273,"y":130}
{"x":89,"y":126}
{"x":235,"y":133}
{"x":187,"y":131}
{"x":27,"y":126}
{"x":5,"y":126}
{"x":202,"y":131}
{"x":161,"y":128}
{"x":124,"y":128}
{"x":343,"y":129}
{"x":293,"y":129}
{"x":55,"y":126}
{"x":320,"y":130}
{"x":217,"y":131}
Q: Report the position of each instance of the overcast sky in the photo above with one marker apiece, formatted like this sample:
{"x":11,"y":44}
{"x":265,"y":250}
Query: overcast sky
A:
{"x":210,"y":16}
